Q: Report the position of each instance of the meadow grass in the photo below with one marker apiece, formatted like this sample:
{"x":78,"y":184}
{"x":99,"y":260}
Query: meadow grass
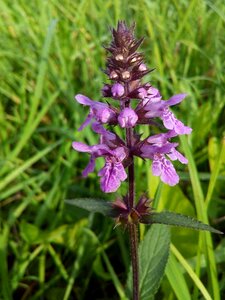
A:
{"x":52,"y":50}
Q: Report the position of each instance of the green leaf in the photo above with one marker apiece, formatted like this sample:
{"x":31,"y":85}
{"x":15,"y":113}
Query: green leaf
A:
{"x":93,"y":205}
{"x":29,"y":232}
{"x":5,"y":282}
{"x":153,"y":256}
{"x":176,"y":279}
{"x":171,"y":218}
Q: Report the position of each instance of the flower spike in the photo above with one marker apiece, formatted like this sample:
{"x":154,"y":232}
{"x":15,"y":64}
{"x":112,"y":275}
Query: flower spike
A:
{"x":125,"y":68}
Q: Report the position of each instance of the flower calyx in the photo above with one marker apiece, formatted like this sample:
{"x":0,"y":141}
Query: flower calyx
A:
{"x":125,"y":215}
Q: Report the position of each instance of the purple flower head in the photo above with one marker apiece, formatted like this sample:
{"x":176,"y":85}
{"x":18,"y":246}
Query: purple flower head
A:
{"x":117,"y":90}
{"x":125,"y":68}
{"x":127,"y":118}
{"x":98,"y":110}
{"x":113,"y":172}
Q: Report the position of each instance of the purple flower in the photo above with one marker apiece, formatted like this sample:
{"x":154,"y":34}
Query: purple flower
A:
{"x":125,"y":68}
{"x":113,"y":172}
{"x":98,"y":110}
{"x":153,"y":106}
{"x":149,"y":93}
{"x":156,"y":107}
{"x":117,"y":90}
{"x":127,"y":118}
{"x":157,"y":147}
{"x":163,"y":167}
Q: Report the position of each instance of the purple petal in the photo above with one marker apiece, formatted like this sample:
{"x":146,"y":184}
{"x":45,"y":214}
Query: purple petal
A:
{"x":149,"y":150}
{"x":142,"y":93}
{"x":164,"y":168}
{"x":170,"y":122}
{"x":101,"y":150}
{"x":120,"y":153}
{"x":84,"y":100}
{"x":168,"y":119}
{"x":154,"y":109}
{"x":122,"y":175}
{"x":102,"y":113}
{"x":86,"y":122}
{"x":176,"y":155}
{"x":153,"y":92}
{"x":127,"y":118}
{"x":89,"y":168}
{"x":81,"y":147}
{"x":111,"y":176}
{"x":117,"y":90}
{"x":98,"y":110}
{"x":160,"y":138}
{"x":98,"y":128}
{"x":175,"y":99}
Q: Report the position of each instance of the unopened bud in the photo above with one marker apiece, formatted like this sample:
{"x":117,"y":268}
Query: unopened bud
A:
{"x":126,"y":75}
{"x":113,"y":75}
{"x":119,"y":57}
{"x":142,"y":67}
{"x":117,"y":90}
{"x":134,"y":59}
{"x":127,"y":118}
{"x":106,"y":91}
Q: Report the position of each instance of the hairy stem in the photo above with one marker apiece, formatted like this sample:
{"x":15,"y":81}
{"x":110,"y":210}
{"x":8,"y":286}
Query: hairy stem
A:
{"x":134,"y":259}
{"x":131,"y":190}
{"x":133,"y":234}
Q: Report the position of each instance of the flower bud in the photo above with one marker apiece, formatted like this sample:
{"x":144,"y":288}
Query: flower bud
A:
{"x":126,"y":75}
{"x":106,"y":91}
{"x":142,"y":67}
{"x":117,"y":90}
{"x":127,"y":118}
{"x":113,"y":75}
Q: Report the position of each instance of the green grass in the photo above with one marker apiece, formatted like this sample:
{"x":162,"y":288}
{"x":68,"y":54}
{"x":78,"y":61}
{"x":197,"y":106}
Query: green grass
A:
{"x":52,"y":50}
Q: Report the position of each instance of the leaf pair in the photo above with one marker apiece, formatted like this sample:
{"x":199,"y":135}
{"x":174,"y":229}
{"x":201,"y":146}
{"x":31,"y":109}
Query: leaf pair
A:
{"x":165,"y":217}
{"x":154,"y":250}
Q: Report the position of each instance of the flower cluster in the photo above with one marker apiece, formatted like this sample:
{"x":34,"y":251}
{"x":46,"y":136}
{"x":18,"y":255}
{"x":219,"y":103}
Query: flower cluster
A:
{"x":125,"y":68}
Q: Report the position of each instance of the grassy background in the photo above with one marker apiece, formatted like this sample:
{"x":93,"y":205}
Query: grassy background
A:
{"x":52,"y":50}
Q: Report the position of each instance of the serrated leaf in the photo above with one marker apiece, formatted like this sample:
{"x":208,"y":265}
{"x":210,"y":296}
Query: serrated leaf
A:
{"x":153,"y":256}
{"x":93,"y":205}
{"x":174,"y":219}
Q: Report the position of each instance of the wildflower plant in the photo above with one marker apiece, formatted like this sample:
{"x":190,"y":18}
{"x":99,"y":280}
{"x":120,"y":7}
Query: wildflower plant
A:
{"x":130,"y":103}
